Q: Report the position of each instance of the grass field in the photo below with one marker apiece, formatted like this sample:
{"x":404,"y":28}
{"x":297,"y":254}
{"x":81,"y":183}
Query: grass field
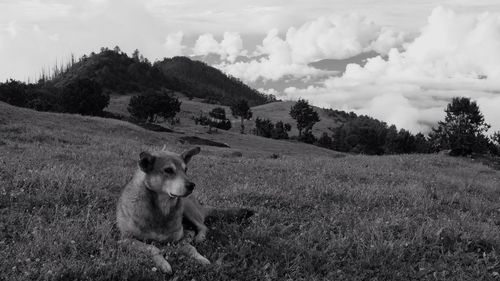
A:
{"x":321,"y":215}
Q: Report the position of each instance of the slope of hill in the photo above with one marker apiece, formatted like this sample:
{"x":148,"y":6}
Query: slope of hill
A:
{"x":118,"y":73}
{"x":275,"y":111}
{"x":197,"y":79}
{"x":319,"y":217}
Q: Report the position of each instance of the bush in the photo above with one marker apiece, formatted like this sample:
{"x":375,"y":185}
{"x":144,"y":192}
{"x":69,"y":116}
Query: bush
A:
{"x":14,"y":93}
{"x":216,"y":119}
{"x":152,"y":106}
{"x":325,"y":141}
{"x":266,"y":128}
{"x":83,"y":96}
{"x":361,"y":135}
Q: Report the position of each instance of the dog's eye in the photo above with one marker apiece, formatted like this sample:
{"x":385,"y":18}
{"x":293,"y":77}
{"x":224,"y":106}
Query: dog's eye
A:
{"x":168,"y":170}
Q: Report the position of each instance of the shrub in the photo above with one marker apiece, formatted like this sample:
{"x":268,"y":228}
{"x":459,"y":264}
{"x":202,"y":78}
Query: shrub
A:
{"x":325,"y":141}
{"x":83,"y":96}
{"x":152,"y":106}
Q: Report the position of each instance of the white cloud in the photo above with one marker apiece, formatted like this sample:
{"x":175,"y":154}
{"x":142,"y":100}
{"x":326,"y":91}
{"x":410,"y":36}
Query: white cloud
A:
{"x":12,"y":29}
{"x":338,"y":37}
{"x":173,"y":44}
{"x":334,"y":37}
{"x":455,"y":55}
{"x":230,"y":47}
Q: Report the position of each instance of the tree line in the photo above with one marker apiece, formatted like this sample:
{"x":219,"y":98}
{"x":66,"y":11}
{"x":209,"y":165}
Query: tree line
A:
{"x":463,"y":132}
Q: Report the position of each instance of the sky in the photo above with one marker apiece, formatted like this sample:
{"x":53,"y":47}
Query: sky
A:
{"x":425,"y":52}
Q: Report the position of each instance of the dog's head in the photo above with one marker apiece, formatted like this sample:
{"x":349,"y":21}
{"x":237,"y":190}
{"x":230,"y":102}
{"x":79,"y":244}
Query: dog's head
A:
{"x":165,"y":172}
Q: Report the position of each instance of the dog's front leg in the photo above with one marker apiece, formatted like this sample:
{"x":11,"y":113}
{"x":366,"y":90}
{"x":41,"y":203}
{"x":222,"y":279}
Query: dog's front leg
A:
{"x":190,"y":251}
{"x":155,"y":253}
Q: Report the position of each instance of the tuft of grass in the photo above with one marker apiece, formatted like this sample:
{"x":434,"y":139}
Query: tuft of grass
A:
{"x":319,"y":216}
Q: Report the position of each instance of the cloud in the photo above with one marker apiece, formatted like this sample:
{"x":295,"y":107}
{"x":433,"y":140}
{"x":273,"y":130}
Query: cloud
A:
{"x":334,"y":37}
{"x":173,"y":44}
{"x":230,"y":47}
{"x":12,"y":29}
{"x":456,"y":54}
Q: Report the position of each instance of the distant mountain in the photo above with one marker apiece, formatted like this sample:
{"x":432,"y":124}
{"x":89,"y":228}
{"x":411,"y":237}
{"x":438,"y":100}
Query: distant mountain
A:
{"x":340,"y":65}
{"x":119,"y":73}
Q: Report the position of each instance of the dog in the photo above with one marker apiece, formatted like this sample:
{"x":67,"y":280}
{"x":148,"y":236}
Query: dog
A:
{"x":156,"y":201}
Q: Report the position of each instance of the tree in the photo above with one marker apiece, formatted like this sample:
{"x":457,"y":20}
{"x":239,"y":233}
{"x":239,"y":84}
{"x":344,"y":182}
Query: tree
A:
{"x":151,"y":106}
{"x":281,"y":130}
{"x":14,"y":92}
{"x":421,"y":144}
{"x":325,"y":141}
{"x":305,"y":116}
{"x":83,"y":96}
{"x":136,"y":55}
{"x":218,"y":119}
{"x":495,"y":142}
{"x":463,"y":129}
{"x":264,"y":127}
{"x":361,"y":135}
{"x":241,"y":109}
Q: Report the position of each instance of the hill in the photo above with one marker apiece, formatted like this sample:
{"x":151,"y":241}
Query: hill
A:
{"x":275,"y":111}
{"x":118,"y":73}
{"x":321,"y":215}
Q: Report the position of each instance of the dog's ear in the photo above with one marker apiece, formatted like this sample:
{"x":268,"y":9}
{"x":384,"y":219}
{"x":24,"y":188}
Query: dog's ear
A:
{"x":146,"y":162}
{"x":186,"y":155}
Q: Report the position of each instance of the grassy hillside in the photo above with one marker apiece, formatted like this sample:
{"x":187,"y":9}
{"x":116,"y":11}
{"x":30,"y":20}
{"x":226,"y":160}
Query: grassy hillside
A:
{"x":320,"y":215}
{"x":275,"y":111}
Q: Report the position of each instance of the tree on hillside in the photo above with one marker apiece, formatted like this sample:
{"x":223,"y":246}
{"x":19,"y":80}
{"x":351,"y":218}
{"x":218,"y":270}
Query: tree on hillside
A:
{"x":240,"y":109}
{"x":83,"y":96}
{"x":463,"y":129}
{"x":151,"y":106}
{"x":218,"y":119}
{"x":361,"y":135}
{"x":281,"y":130}
{"x":325,"y":141}
{"x":14,"y":92}
{"x":305,"y":116}
{"x":263,"y":127}
{"x":495,"y":143}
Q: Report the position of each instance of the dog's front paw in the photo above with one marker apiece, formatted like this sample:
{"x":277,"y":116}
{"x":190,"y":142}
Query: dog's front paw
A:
{"x":201,"y":259}
{"x":162,"y":264}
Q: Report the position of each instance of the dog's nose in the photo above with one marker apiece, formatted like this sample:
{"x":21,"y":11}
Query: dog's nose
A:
{"x":190,"y":186}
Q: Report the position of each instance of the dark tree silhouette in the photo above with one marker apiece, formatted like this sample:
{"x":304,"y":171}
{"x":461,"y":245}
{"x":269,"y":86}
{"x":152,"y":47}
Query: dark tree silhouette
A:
{"x":240,"y":109}
{"x":305,"y":116}
{"x":463,"y":129}
{"x":218,"y":119}
{"x":325,"y":141}
{"x":83,"y":96}
{"x":151,"y":106}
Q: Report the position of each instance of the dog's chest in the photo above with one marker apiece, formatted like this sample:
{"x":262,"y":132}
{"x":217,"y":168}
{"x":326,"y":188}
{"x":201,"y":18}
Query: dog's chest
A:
{"x":165,"y":216}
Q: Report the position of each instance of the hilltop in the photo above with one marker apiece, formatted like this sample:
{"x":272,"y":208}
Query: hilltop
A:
{"x":118,"y":73}
{"x":321,"y":215}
